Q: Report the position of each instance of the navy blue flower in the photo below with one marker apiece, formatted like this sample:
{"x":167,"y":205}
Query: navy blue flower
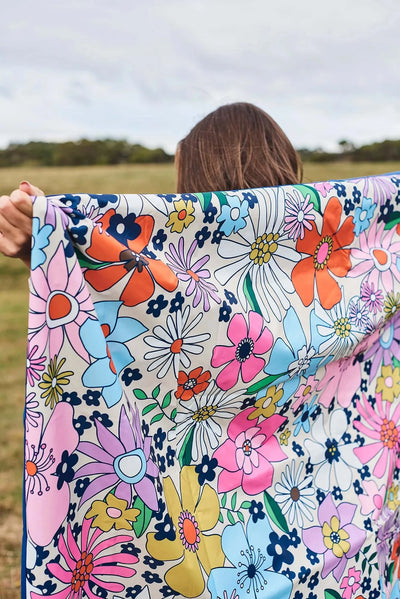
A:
{"x":152,"y":562}
{"x":251,"y":198}
{"x":202,"y":236}
{"x":224,"y":312}
{"x":70,"y":201}
{"x":71,"y":398}
{"x":124,"y":228}
{"x":367,"y":524}
{"x":206,"y":470}
{"x":374,"y":594}
{"x":337,"y":493}
{"x":348,"y":206}
{"x":159,"y":514}
{"x":356,"y":195}
{"x":230,"y":297}
{"x":78,"y":234}
{"x":304,"y":574}
{"x":132,"y":592}
{"x":65,"y":469}
{"x":92,"y":397}
{"x":103,"y":418}
{"x":170,"y":456}
{"x":357,"y":487}
{"x":131,"y":374}
{"x":41,"y":555}
{"x":366,"y":584}
{"x":168,"y":197}
{"x":217,"y":236}
{"x":166,"y":591}
{"x":47,"y":588}
{"x":155,"y":306}
{"x":256,"y":510}
{"x":312,"y":583}
{"x":151,"y":577}
{"x":248,"y":402}
{"x":176,"y":303}
{"x":104,"y":198}
{"x":189,"y":197}
{"x":209,"y":214}
{"x":385,"y":211}
{"x":297,"y":449}
{"x":340,"y":190}
{"x":161,"y":463}
{"x":320,"y":495}
{"x":367,"y":366}
{"x":81,"y":485}
{"x":131,"y":549}
{"x":364,"y":472}
{"x":278,"y":550}
{"x":71,"y":512}
{"x":165,"y":529}
{"x":294,"y":538}
{"x":312,"y":557}
{"x":159,"y":438}
{"x":159,"y":239}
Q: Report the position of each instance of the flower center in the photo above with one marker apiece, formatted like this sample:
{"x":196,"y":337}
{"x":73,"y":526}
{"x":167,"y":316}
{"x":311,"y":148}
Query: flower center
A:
{"x":389,"y":433}
{"x":30,"y":468}
{"x":244,"y":349}
{"x":190,"y":384}
{"x":204,"y":413}
{"x":188,"y":531}
{"x":332,"y":452}
{"x":322,"y":252}
{"x":382,"y":258}
{"x":37,"y":462}
{"x":306,"y":390}
{"x":61,"y":309}
{"x":300,"y":216}
{"x":131,"y":467}
{"x":351,"y":580}
{"x":389,"y":382}
{"x":246,"y":446}
{"x":252,"y":573}
{"x":263,"y":247}
{"x":295,"y":494}
{"x":342,"y":327}
{"x":182,"y":214}
{"x":113,"y":512}
{"x":235,"y":213}
{"x":82,"y":571}
{"x":176,"y":346}
{"x":335,"y":538}
{"x":193,"y":275}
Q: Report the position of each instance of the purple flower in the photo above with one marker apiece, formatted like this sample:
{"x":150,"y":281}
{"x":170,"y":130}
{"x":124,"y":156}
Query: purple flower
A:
{"x":192,"y":273}
{"x":336,"y":537}
{"x":123,"y":462}
{"x":386,"y":346}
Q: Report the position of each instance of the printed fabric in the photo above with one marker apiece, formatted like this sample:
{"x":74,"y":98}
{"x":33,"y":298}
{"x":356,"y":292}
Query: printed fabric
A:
{"x":213,"y":394}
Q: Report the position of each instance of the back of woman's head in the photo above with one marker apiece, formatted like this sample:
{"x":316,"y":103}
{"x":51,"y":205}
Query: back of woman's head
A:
{"x":238,"y":146}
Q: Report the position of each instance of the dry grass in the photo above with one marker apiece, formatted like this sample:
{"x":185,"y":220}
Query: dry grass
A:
{"x":13,"y":310}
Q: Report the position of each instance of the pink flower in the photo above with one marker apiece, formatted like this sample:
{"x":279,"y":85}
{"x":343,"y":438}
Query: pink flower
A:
{"x":351,"y":583}
{"x":84,"y":564}
{"x":240,"y":357}
{"x":299,"y":213}
{"x":377,"y":257}
{"x":384,"y":428}
{"x":304,"y":392}
{"x":373,"y":500}
{"x":247,"y":455}
{"x":46,"y":504}
{"x":34,"y":364}
{"x":323,"y":188}
{"x":59,"y":304}
{"x":342,"y":378}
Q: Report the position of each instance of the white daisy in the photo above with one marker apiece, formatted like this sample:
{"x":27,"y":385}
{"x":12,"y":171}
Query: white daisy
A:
{"x":259,"y":254}
{"x":294,"y":493}
{"x":331,"y":453}
{"x":198,"y":418}
{"x":173,"y":343}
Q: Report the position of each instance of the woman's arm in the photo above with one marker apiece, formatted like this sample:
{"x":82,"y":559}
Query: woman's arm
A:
{"x":16,"y":222}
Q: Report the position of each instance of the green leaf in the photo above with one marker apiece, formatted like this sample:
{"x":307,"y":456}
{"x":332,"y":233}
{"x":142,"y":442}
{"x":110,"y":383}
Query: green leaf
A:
{"x":139,"y":394}
{"x":331,"y":594}
{"x":363,"y":563}
{"x":274,"y":512}
{"x":233,"y":500}
{"x":223,"y":500}
{"x":392,"y":220}
{"x":396,"y":363}
{"x":372,"y":556}
{"x":231,"y":518}
{"x":174,"y":413}
{"x":366,"y":549}
{"x":166,"y":401}
{"x":204,"y":199}
{"x":220,"y":517}
{"x":240,"y":516}
{"x":148,"y":408}
{"x":222,"y":197}
{"x":245,"y":505}
{"x":86,"y":262}
{"x":390,"y":571}
{"x":143,"y":520}
{"x":156,"y":418}
{"x":185,"y":454}
{"x":155,"y":393}
{"x":264,"y":383}
{"x":357,"y":556}
{"x":306,"y":190}
{"x":249,"y":293}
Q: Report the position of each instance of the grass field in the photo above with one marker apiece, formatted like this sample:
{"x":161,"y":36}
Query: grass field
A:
{"x":13,"y":310}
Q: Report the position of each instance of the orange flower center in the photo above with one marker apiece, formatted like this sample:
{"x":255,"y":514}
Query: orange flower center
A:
{"x":182,"y":214}
{"x":192,"y":274}
{"x":188,"y":530}
{"x":389,"y":433}
{"x":176,"y":346}
{"x":31,"y":468}
{"x":322,"y":252}
{"x":59,"y":306}
{"x":81,"y":572}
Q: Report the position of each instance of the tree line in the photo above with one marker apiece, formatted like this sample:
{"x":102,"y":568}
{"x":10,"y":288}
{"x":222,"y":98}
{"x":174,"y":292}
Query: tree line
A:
{"x":79,"y":153}
{"x":119,"y":151}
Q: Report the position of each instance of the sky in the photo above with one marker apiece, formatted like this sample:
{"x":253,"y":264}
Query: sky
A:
{"x":148,"y":70}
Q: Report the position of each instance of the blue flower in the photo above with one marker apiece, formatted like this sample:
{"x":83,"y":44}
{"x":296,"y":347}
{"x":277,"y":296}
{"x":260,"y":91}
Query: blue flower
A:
{"x":40,"y":240}
{"x":293,"y":359}
{"x":233,"y":214}
{"x":78,"y":234}
{"x":104,"y":198}
{"x":303,"y":421}
{"x":250,"y":574}
{"x":159,"y":239}
{"x":363,"y":215}
{"x":105,"y":344}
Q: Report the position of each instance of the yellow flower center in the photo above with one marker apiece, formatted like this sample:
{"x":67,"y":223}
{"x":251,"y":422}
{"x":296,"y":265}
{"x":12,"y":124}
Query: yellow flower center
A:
{"x":204,"y":413}
{"x":342,"y":327}
{"x":263,"y":247}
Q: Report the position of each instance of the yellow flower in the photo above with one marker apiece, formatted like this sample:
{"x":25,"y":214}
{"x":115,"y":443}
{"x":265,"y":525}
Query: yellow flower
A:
{"x":266,"y":404}
{"x":52,"y":381}
{"x":393,"y":500}
{"x":181,"y":217}
{"x":391,"y":305}
{"x":191,"y":514}
{"x":335,"y":537}
{"x":283,"y":437}
{"x":388,"y":383}
{"x":112,"y":513}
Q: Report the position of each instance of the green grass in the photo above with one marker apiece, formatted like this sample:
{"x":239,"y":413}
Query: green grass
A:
{"x":13,"y":318}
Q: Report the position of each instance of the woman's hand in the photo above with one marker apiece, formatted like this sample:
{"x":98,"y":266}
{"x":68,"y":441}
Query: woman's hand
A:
{"x":16,"y":222}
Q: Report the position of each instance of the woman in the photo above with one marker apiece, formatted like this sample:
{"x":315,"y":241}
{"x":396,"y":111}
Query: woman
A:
{"x":238,"y":146}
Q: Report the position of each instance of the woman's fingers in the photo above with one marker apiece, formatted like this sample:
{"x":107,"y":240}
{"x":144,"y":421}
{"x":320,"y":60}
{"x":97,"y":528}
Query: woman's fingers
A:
{"x":30,"y":189}
{"x":15,"y":230}
{"x":17,"y":210}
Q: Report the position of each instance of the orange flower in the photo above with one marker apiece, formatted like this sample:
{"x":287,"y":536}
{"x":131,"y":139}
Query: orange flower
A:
{"x":126,"y":260}
{"x":326,"y":256}
{"x":192,"y":383}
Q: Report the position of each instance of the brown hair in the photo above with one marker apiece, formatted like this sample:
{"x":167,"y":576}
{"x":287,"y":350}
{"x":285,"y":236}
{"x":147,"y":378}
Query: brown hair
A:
{"x":238,"y":146}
